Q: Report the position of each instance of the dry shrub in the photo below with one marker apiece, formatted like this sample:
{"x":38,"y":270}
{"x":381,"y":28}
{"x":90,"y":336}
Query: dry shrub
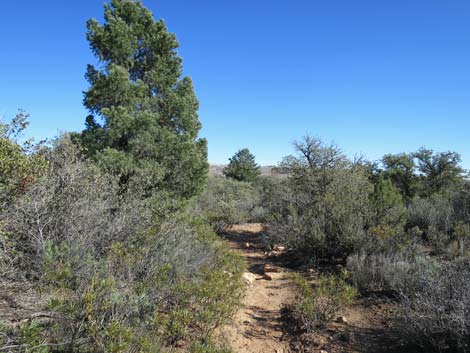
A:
{"x":227,"y":201}
{"x":317,"y":305}
{"x":391,"y":273}
{"x":437,"y":314}
{"x":324,"y":205}
{"x":119,"y":279}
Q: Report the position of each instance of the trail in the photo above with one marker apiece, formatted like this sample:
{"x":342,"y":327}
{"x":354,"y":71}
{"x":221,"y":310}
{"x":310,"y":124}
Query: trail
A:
{"x":257,"y":326}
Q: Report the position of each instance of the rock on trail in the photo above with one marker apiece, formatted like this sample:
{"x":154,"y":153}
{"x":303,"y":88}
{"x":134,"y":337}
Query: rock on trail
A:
{"x":257,"y":326}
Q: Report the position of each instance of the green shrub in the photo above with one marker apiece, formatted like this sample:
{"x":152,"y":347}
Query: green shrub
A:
{"x":317,"y":305}
{"x":209,"y":347}
{"x":119,"y":278}
{"x":324,"y":208}
{"x":227,"y":201}
{"x":461,"y":239}
{"x":20,"y":163}
{"x":32,"y":338}
{"x":386,"y":204}
{"x":179,"y":284}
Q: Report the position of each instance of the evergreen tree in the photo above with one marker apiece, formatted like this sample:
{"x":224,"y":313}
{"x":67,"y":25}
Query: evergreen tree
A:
{"x":242,"y":167}
{"x":143,"y":122}
{"x":387,"y":203}
{"x":400,"y":169}
{"x":438,"y":171}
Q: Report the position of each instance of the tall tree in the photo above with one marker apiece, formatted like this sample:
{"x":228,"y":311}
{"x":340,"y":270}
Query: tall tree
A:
{"x":242,"y":166}
{"x":438,"y":170}
{"x":387,"y":203}
{"x":324,"y":209}
{"x":143,"y":122}
{"x":400,"y":169}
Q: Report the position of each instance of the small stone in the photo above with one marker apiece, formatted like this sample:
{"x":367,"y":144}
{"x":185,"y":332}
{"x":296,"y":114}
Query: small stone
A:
{"x":272,"y":254}
{"x":279,"y":248}
{"x":249,"y":277}
{"x":267,"y":277}
{"x":270,"y":268}
{"x":342,"y":320}
{"x":319,"y":341}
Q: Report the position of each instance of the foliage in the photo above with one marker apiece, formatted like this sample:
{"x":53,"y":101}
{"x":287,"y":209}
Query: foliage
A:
{"x":208,"y":347}
{"x":20,"y":164}
{"x":317,"y":305}
{"x":150,"y":121}
{"x":228,"y":201}
{"x":400,"y":169}
{"x":386,"y":204}
{"x":424,"y":172}
{"x":391,"y":273}
{"x":118,"y":281}
{"x":439,"y":171}
{"x":436,"y":315}
{"x":325,"y":205}
{"x":431,"y":212}
{"x":242,"y":167}
{"x":63,"y":207}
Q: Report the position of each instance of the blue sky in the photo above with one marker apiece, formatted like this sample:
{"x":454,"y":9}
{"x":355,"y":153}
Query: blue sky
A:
{"x":372,"y":76}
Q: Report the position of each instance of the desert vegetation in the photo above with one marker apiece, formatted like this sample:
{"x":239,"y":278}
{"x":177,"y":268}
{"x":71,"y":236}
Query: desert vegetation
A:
{"x":112,"y":238}
{"x":96,"y":224}
{"x":398,"y":226}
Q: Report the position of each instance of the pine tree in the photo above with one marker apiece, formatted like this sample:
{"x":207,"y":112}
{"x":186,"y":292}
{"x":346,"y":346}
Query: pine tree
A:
{"x":242,"y":167}
{"x":143,"y":122}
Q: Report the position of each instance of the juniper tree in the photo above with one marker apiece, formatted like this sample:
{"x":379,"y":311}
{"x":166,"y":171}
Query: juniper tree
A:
{"x":400,"y":169}
{"x":386,"y":203}
{"x":438,"y":171}
{"x":143,"y":123}
{"x":242,"y":167}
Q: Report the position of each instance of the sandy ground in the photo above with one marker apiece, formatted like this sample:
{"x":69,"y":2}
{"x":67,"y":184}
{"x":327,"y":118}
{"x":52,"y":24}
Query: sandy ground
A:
{"x":260,"y":327}
{"x":257,"y":326}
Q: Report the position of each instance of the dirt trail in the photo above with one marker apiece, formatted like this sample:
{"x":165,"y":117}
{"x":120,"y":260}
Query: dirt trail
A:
{"x":257,"y":326}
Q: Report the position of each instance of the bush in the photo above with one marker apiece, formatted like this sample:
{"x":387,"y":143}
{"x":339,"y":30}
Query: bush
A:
{"x":227,"y":201}
{"x":316,"y":306}
{"x":436,"y":315}
{"x":386,"y":204}
{"x":208,"y":347}
{"x":64,"y":208}
{"x":392,"y":273}
{"x":324,"y":207}
{"x":119,"y":279}
{"x":20,"y":163}
{"x":434,"y":212}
